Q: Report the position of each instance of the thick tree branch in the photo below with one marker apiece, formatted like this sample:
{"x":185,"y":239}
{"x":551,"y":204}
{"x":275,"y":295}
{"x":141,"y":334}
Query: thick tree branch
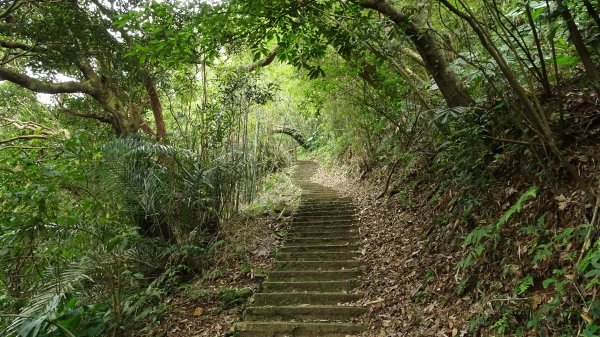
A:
{"x":21,"y":46}
{"x":24,"y":137}
{"x":11,"y":8}
{"x":266,"y":61}
{"x":86,"y":68}
{"x":40,"y":86}
{"x":413,"y":55}
{"x":294,"y":134}
{"x":102,"y":118}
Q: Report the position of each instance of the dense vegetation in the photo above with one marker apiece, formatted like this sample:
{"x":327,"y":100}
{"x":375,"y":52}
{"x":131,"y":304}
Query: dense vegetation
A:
{"x":134,"y":134}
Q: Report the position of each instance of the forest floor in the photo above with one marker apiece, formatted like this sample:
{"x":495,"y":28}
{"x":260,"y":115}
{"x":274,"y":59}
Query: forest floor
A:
{"x":209,"y":306}
{"x":408,"y":291}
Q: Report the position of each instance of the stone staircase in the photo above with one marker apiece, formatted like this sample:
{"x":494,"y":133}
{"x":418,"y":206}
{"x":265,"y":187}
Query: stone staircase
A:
{"x":310,"y":290}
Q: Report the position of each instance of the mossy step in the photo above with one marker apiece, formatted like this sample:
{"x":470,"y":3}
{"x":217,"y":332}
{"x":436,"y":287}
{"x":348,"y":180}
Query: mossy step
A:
{"x":312,"y":275}
{"x":312,"y":286}
{"x":324,"y":205}
{"x":312,"y":198}
{"x":320,"y":192}
{"x":305,"y":313}
{"x":320,"y":241}
{"x":351,"y":234}
{"x":318,"y":248}
{"x":323,"y":228}
{"x":281,"y":329}
{"x":322,"y":218}
{"x":296,"y":334}
{"x":316,"y":265}
{"x":318,"y":256}
{"x":305,"y":298}
{"x":325,"y":211}
{"x":320,"y":222}
{"x":310,"y":201}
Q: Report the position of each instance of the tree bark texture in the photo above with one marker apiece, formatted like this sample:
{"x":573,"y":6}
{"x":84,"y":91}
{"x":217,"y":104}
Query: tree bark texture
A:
{"x":433,"y":58}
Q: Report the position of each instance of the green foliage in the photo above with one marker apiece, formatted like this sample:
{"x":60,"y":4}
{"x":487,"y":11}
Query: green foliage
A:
{"x":231,"y":297}
{"x":590,"y":266}
{"x":524,"y":285}
{"x":482,"y":239}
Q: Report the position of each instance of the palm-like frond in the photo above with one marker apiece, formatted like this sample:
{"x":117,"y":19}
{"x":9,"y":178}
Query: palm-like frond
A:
{"x":55,"y":286}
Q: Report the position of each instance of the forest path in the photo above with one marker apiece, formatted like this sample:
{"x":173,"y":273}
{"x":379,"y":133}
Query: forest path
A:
{"x":311,"y":287}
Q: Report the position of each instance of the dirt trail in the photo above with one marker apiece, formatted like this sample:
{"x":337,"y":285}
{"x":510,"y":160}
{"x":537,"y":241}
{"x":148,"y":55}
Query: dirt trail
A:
{"x":312,"y":287}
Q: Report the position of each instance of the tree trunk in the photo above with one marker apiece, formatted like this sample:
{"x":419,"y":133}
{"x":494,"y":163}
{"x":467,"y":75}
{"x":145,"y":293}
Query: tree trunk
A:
{"x":592,"y":11}
{"x":543,"y":72}
{"x":156,"y":106}
{"x":584,"y":54}
{"x":433,"y":58}
{"x":531,"y":111}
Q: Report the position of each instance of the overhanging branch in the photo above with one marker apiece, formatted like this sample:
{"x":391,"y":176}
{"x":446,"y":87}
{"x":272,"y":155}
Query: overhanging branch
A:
{"x":294,"y":134}
{"x":39,"y":86}
{"x":21,"y":46}
{"x":266,"y":61}
{"x":24,"y":137}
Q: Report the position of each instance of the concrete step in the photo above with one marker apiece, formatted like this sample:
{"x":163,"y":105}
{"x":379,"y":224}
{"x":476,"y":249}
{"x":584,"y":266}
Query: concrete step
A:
{"x":323,"y":228}
{"x":312,"y":286}
{"x":304,"y":298}
{"x":322,"y":218}
{"x":318,"y":248}
{"x":350,"y":233}
{"x":312,"y":275}
{"x":282,"y":329}
{"x":318,"y":256}
{"x":316,"y":265}
{"x":310,"y":201}
{"x":299,"y":241}
{"x":325,"y":211}
{"x":303,"y":313}
{"x":322,"y":221}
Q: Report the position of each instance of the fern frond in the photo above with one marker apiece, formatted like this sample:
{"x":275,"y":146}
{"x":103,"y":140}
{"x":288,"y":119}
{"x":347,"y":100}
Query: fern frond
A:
{"x":53,"y":289}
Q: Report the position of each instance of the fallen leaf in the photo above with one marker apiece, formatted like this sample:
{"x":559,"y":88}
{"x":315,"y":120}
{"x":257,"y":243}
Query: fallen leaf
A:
{"x":587,"y":317}
{"x":198,"y":311}
{"x":562,"y":202}
{"x":536,"y":300}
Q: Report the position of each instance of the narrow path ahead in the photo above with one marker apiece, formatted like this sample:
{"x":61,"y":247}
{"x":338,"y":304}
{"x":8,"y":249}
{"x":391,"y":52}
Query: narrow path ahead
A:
{"x":309,"y":291}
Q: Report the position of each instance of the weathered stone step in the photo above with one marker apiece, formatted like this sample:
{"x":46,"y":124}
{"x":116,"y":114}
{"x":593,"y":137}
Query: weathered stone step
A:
{"x":351,"y":233}
{"x":310,"y":275}
{"x":282,"y":329}
{"x":319,"y":256}
{"x":319,"y":248}
{"x":318,"y":210}
{"x":311,"y":201}
{"x":320,"y":241}
{"x":303,"y":313}
{"x":328,"y":215}
{"x":296,"y":298}
{"x":321,"y":221}
{"x":325,"y":216}
{"x":316,"y":265}
{"x":323,"y":228}
{"x":312,"y":286}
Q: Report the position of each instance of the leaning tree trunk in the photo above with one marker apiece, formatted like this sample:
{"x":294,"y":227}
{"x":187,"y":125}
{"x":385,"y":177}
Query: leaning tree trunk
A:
{"x":582,"y":51}
{"x":433,"y":58}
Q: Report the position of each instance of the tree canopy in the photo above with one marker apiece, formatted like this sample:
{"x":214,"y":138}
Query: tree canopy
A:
{"x":169,"y":121}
